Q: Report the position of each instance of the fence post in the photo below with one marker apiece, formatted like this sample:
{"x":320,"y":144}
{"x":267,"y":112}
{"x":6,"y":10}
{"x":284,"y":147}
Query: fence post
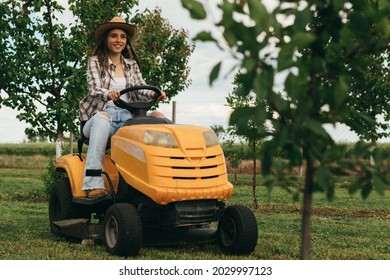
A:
{"x":174,"y":111}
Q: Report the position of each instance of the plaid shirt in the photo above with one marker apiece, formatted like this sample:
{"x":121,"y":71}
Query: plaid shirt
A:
{"x":99,"y":86}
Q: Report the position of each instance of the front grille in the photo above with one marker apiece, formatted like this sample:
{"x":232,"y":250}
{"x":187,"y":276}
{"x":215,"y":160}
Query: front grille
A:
{"x":207,"y":167}
{"x":196,"y":211}
{"x":184,"y":178}
{"x":209,"y":177}
{"x":195,"y":170}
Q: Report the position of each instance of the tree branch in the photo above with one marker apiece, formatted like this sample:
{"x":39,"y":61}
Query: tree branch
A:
{"x":44,"y":126}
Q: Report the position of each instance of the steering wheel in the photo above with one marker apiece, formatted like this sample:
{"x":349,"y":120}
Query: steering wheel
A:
{"x":138,"y":108}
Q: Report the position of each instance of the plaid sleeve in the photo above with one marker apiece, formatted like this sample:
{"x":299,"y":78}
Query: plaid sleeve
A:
{"x":97,"y":90}
{"x":97,"y":85}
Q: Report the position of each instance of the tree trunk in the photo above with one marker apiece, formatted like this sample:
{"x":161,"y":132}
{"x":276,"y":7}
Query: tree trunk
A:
{"x":59,"y":144}
{"x":300,"y":170}
{"x":372,"y":150}
{"x":254,"y":175}
{"x":306,"y":211}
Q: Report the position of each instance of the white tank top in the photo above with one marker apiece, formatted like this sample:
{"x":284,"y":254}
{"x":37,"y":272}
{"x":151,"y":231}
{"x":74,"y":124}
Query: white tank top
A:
{"x":118,"y":83}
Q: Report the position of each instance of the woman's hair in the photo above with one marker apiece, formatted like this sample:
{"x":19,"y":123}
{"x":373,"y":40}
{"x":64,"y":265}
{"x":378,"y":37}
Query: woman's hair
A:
{"x":101,"y":51}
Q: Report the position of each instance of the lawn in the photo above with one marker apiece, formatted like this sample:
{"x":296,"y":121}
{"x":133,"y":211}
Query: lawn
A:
{"x":346,"y":228}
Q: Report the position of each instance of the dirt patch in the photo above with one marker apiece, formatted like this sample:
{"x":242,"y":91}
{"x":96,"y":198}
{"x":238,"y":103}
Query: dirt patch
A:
{"x":246,"y":167}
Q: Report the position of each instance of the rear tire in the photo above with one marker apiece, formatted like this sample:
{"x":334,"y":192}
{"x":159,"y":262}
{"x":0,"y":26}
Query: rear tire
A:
{"x":61,"y":206}
{"x":122,"y":230}
{"x":237,"y":231}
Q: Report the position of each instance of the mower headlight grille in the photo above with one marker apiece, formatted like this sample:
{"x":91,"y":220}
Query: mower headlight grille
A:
{"x":159,"y":138}
{"x":210,"y":138}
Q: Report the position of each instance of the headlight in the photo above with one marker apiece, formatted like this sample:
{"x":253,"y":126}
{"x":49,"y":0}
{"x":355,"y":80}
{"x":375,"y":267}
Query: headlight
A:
{"x":158,"y":138}
{"x":210,"y":138}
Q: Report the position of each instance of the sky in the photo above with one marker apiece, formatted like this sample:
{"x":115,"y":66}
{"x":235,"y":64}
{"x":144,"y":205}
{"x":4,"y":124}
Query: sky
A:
{"x":199,"y":104}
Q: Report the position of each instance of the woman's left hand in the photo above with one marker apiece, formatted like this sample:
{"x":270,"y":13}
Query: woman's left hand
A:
{"x":162,"y":96}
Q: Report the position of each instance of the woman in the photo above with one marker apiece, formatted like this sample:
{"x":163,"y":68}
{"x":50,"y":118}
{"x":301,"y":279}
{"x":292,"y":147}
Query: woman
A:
{"x":109,"y":71}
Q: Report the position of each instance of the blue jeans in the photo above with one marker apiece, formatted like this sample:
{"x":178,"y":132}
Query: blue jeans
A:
{"x":98,"y":129}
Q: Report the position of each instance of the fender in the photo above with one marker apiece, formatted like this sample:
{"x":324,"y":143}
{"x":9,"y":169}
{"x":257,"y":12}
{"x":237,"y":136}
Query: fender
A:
{"x":74,"y":168}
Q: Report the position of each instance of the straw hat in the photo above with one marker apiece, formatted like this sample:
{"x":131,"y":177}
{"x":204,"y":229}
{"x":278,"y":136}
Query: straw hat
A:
{"x":115,"y":22}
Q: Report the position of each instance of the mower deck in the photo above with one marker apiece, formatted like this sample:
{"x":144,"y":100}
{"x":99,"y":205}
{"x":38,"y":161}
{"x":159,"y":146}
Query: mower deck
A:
{"x":82,"y":229}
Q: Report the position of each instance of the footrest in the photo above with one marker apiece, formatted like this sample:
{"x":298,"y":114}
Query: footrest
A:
{"x":80,"y":228}
{"x":91,"y":200}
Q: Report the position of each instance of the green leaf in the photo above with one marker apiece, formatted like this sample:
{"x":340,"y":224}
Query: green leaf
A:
{"x":266,"y":163}
{"x":258,"y":13}
{"x":292,"y":86}
{"x":379,"y":185}
{"x":229,"y":36}
{"x":330,"y":193}
{"x":302,"y":40}
{"x":360,"y":26}
{"x":195,"y":8}
{"x":285,"y":58}
{"x":355,"y":186}
{"x":316,"y":127}
{"x":302,"y":19}
{"x":214,"y":73}
{"x":264,"y":82}
{"x":361,"y":148}
{"x":205,"y":37}
{"x":279,"y":103}
{"x":366,"y":189}
{"x":340,"y":91}
{"x":324,"y":180}
{"x":347,"y":39}
{"x":236,"y":117}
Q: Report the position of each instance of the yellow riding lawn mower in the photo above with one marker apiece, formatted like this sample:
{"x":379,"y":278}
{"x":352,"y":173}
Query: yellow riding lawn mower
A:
{"x":165,"y":183}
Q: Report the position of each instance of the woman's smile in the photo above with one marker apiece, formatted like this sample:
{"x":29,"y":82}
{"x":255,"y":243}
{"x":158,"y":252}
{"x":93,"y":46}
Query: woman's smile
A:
{"x":116,"y":40}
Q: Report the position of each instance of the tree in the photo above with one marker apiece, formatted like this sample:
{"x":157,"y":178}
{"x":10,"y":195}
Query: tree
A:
{"x":247,"y":127}
{"x":164,"y":54}
{"x":219,"y":130}
{"x":43,"y":61}
{"x":370,"y":97}
{"x":38,"y":62}
{"x":317,"y":44}
{"x":234,"y":153}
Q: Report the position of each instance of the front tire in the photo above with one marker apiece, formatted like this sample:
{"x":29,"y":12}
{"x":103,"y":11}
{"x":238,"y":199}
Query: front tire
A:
{"x":237,"y":231}
{"x":122,"y":230}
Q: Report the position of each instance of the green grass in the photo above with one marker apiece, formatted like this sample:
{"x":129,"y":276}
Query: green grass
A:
{"x":23,"y":162}
{"x":25,"y":234}
{"x":21,"y":184}
{"x":28,"y":149}
{"x":31,"y":149}
{"x":347,"y":227}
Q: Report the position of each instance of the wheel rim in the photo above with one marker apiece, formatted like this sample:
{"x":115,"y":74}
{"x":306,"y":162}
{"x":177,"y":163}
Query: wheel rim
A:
{"x":228,"y":231}
{"x":111,"y":232}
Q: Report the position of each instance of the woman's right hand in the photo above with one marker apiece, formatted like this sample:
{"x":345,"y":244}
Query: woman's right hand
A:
{"x":114,"y":95}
